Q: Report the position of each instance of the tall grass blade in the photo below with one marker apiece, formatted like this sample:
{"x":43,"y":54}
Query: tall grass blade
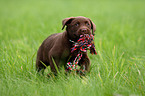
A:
{"x":55,"y":65}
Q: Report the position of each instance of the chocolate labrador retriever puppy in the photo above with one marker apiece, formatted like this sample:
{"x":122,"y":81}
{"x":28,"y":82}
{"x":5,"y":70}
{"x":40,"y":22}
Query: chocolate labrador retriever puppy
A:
{"x":58,"y":46}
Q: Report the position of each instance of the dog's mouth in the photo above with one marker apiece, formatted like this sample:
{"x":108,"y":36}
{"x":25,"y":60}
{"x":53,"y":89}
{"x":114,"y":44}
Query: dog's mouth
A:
{"x":81,"y":33}
{"x":77,"y":36}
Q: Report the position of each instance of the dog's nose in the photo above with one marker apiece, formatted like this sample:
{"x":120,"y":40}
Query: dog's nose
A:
{"x":84,"y":30}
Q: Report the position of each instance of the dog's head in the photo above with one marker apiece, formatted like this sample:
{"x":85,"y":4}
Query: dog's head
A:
{"x":77,"y":26}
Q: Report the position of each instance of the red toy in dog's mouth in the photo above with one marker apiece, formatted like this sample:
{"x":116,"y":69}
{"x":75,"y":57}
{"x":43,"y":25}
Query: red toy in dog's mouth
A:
{"x":84,"y":43}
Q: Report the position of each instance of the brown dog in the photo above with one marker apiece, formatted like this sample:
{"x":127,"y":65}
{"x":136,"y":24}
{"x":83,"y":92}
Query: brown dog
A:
{"x":58,"y":46}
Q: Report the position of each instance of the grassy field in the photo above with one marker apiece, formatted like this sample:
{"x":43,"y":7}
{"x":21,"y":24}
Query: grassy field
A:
{"x":117,"y":70}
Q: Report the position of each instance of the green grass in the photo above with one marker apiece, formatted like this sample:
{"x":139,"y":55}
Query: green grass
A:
{"x":117,"y":70}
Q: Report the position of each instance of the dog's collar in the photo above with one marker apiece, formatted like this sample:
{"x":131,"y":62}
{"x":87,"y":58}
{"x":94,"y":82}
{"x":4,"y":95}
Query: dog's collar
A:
{"x":72,"y":41}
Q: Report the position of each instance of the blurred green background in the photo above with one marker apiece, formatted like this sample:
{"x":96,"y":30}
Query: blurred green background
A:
{"x":117,"y":70}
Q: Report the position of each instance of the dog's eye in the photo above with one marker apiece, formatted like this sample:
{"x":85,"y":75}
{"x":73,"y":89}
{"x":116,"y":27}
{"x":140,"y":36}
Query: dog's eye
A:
{"x":87,"y":24}
{"x":77,"y":24}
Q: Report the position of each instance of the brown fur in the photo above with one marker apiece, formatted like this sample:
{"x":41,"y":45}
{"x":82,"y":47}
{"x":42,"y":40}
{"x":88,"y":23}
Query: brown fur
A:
{"x":58,"y":46}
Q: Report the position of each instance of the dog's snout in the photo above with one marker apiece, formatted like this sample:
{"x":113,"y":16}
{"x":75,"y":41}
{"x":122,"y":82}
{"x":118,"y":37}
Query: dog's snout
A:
{"x":83,"y":30}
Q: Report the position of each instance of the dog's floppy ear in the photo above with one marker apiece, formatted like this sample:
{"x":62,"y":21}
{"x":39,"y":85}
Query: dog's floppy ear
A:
{"x":67,"y":21}
{"x":93,"y":27}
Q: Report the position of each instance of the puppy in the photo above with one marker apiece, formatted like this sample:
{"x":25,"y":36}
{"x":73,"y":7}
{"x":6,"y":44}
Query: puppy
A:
{"x":58,"y":46}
